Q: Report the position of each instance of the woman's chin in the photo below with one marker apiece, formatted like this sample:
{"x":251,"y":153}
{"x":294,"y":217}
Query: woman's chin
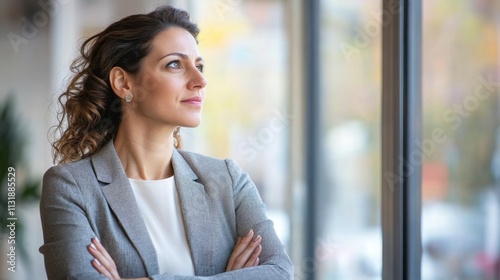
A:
{"x":191,"y":124}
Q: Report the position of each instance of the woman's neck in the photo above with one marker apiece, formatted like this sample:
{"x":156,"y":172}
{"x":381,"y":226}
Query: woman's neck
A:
{"x":145,"y":153}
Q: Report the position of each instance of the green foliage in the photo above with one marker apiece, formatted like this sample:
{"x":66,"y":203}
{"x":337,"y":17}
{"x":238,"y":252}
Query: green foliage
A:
{"x":12,"y":144}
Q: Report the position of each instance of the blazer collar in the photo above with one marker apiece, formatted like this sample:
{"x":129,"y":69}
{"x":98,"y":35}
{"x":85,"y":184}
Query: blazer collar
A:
{"x":106,"y":163}
{"x":192,"y":198}
{"x":121,"y":200}
{"x":195,"y":214}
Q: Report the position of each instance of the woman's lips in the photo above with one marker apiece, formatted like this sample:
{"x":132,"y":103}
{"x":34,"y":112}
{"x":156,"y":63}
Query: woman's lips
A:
{"x":193,"y":100}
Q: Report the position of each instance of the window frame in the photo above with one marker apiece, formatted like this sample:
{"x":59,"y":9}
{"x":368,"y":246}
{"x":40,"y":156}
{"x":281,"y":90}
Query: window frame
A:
{"x":401,"y":128}
{"x":312,"y":168}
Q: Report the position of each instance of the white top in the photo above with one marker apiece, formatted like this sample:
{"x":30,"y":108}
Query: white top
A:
{"x":159,"y":205}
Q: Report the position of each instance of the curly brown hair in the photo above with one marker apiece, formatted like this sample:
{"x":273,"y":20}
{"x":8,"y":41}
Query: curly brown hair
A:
{"x":91,"y":112}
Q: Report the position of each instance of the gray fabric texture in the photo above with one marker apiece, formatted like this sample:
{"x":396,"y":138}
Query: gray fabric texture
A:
{"x":93,"y":197}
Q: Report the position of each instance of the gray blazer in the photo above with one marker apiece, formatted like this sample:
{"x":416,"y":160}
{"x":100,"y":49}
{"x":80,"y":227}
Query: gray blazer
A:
{"x":93,"y":197}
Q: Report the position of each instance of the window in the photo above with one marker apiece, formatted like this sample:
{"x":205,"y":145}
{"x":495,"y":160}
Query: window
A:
{"x":349,"y":244}
{"x":461,"y":144}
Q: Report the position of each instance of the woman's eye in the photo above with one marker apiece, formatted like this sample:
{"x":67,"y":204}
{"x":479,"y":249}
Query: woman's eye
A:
{"x":173,"y":64}
{"x":200,"y":68}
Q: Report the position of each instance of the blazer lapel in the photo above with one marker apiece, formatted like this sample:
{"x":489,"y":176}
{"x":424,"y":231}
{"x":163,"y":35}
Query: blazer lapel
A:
{"x":195,"y":213}
{"x":120,"y":197}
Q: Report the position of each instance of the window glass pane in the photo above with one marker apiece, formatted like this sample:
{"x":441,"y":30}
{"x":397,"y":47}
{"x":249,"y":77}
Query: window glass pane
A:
{"x":246,"y":114}
{"x":461,"y":144}
{"x":350,"y":244}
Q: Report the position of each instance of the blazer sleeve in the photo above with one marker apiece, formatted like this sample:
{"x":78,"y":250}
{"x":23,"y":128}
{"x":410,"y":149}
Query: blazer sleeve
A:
{"x":251,"y":214}
{"x":66,"y":230}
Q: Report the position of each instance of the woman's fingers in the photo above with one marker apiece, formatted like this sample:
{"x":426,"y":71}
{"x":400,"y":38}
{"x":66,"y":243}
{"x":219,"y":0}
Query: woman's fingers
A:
{"x":245,"y":258}
{"x":101,"y":269}
{"x":243,"y":243}
{"x":97,"y":261}
{"x":254,"y":257}
{"x":239,"y":247}
{"x":102,"y":262}
{"x":245,"y":253}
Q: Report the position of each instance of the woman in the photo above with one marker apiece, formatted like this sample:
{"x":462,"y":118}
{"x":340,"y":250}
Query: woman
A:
{"x":124,"y":201}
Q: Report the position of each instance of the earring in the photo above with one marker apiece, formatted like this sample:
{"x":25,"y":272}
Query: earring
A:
{"x":128,"y":98}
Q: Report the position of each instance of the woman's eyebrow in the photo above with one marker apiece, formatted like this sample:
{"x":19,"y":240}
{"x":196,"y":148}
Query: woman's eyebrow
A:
{"x":182,"y":55}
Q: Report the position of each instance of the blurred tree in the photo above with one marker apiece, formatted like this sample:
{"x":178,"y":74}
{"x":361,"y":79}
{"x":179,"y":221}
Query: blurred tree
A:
{"x":12,"y":144}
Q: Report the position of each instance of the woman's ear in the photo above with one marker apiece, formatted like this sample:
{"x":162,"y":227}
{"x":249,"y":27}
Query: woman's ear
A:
{"x":120,"y":82}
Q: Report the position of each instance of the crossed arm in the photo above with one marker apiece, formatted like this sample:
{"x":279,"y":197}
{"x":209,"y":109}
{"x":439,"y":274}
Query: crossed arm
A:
{"x":245,"y":254}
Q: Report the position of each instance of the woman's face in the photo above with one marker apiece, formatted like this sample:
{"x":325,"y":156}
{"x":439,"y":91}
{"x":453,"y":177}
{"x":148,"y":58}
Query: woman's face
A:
{"x":170,"y":87}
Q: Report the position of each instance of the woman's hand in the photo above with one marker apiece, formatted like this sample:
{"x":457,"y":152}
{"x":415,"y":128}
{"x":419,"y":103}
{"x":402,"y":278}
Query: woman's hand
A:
{"x":246,"y":252}
{"x":103,"y":262}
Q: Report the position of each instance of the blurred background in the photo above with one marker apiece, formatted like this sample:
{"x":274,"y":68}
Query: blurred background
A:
{"x":255,"y":114}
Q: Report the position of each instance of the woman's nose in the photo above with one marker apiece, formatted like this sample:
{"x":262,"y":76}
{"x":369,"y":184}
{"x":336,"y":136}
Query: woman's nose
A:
{"x":198,"y":80}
